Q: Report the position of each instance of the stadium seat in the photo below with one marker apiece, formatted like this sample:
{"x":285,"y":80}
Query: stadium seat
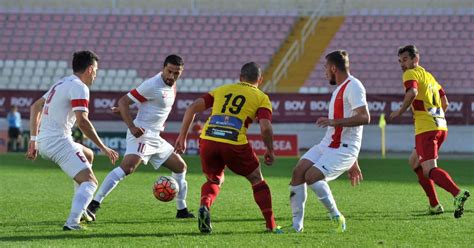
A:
{"x":443,"y":40}
{"x":125,"y":44}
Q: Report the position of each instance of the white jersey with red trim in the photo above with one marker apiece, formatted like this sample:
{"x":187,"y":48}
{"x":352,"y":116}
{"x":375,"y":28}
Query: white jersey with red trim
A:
{"x":345,"y":99}
{"x":66,"y":96}
{"x":155,"y":99}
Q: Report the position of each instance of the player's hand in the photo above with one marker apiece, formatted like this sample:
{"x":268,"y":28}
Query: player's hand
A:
{"x":136,"y":131}
{"x":32,"y":152}
{"x":113,"y":155}
{"x":324,"y":122}
{"x":269,"y":157}
{"x":115,"y":110}
{"x":180,"y":144}
{"x":394,"y":114}
{"x":355,"y":174}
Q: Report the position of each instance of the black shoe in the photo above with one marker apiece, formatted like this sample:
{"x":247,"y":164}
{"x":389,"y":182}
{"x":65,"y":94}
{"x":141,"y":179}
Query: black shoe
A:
{"x":184,"y":214}
{"x":204,"y":220}
{"x":73,"y":227}
{"x":459,"y":201}
{"x":89,"y":214}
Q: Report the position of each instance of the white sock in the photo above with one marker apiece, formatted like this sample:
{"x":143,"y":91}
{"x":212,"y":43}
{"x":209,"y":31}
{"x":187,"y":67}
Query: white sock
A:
{"x":110,"y":182}
{"x":323,"y":192}
{"x":82,"y":198}
{"x":298,"y":197}
{"x":76,"y":185}
{"x":183,"y":189}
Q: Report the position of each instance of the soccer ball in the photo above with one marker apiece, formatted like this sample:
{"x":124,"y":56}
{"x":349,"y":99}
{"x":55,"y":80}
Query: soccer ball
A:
{"x":165,"y":188}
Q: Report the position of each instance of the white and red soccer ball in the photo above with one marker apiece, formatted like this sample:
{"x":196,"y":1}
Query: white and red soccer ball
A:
{"x":165,"y":188}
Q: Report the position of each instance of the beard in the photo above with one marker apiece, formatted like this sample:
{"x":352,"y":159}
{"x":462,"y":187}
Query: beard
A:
{"x":332,"y":82}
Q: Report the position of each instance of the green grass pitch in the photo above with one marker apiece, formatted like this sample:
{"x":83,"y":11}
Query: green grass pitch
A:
{"x":387,"y":210}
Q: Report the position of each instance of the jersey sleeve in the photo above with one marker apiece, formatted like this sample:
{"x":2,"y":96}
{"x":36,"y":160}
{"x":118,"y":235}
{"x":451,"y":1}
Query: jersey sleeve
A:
{"x":410,"y":80}
{"x":266,"y":104}
{"x":208,"y":100}
{"x":144,"y":92}
{"x":441,"y":91}
{"x":357,"y":97}
{"x":79,"y":98}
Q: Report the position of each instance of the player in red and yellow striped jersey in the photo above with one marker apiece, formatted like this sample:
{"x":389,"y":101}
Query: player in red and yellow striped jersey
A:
{"x":426,"y":98}
{"x":224,"y":143}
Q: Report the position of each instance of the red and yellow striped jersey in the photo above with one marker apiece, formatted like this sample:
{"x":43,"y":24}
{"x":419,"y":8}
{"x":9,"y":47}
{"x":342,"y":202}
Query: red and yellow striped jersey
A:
{"x":234,"y":107}
{"x":427,"y":109}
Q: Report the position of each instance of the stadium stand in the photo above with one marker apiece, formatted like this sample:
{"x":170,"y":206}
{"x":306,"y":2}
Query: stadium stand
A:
{"x":35,"y":47}
{"x":372,"y":38}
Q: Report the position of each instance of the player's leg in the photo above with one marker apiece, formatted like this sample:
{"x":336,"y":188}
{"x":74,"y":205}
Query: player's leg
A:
{"x":75,"y":164}
{"x":430,"y":142}
{"x":178,"y":167}
{"x":263,"y":198}
{"x":331,"y":164}
{"x":129,"y":164}
{"x":11,"y":139}
{"x":87,"y":185}
{"x":242,"y":160}
{"x":316,"y":181}
{"x":427,"y":185}
{"x":298,"y":193}
{"x":213,"y":167}
{"x":18,"y":141}
{"x":88,"y":153}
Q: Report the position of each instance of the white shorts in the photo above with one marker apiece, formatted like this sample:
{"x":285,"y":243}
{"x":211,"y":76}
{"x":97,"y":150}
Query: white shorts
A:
{"x":150,"y":147}
{"x":331,"y":162}
{"x":64,"y":152}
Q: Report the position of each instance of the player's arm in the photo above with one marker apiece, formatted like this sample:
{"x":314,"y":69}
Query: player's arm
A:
{"x":124,"y":110}
{"x":197,"y":106}
{"x":83,"y":122}
{"x":266,"y":130}
{"x":444,"y":100}
{"x":361,"y":117}
{"x":35,"y":118}
{"x":407,"y":101}
{"x":411,"y":85}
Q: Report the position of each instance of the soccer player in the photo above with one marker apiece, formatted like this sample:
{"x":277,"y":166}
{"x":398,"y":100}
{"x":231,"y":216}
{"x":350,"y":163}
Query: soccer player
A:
{"x":155,"y":97}
{"x":338,"y":150}
{"x":64,"y":103}
{"x":224,"y":142}
{"x":427,"y":184}
{"x":14,"y":129}
{"x":422,"y":93}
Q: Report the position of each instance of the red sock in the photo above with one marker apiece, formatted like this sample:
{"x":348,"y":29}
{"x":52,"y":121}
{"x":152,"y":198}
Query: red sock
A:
{"x":209,"y":192}
{"x":263,"y":198}
{"x":428,"y":186}
{"x":442,"y":179}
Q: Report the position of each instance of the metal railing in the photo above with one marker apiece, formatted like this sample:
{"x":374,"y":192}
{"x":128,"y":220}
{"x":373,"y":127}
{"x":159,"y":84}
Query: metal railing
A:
{"x":296,"y":49}
{"x":308,"y":28}
{"x":282,"y":68}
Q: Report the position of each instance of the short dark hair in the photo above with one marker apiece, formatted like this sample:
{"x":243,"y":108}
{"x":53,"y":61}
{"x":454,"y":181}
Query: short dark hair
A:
{"x":411,"y":49}
{"x":339,"y":58}
{"x":251,"y":72}
{"x":174,"y":60}
{"x":83,"y":59}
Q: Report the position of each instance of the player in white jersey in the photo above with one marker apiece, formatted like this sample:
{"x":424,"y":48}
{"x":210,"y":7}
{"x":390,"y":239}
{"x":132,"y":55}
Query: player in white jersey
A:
{"x":58,"y":110}
{"x":155,"y":97}
{"x":338,"y":150}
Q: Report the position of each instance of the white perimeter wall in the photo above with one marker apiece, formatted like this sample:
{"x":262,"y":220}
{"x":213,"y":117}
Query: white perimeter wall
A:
{"x":399,"y":138}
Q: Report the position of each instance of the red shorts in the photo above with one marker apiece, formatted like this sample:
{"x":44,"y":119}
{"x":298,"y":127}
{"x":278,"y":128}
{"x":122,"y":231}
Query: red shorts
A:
{"x":428,"y":144}
{"x":215,"y":156}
